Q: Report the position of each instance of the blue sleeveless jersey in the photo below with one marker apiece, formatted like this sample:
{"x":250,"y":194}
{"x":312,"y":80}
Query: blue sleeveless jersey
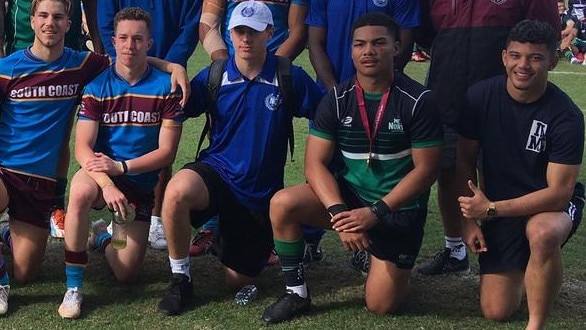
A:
{"x":130,"y":116}
{"x":38,"y":102}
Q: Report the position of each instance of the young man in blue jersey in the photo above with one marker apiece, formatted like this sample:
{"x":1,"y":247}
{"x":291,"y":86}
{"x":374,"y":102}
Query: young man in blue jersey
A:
{"x":526,"y":208}
{"x":128,"y":129}
{"x":385,"y":128}
{"x":330,"y":23}
{"x":288,"y":40}
{"x":243,"y":167}
{"x":289,"y":36}
{"x":40,"y":88}
{"x":17,"y":34}
{"x":175,"y":36}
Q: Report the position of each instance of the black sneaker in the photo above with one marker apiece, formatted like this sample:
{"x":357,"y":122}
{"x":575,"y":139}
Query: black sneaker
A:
{"x":286,"y":307}
{"x":361,"y":262}
{"x":178,"y":295}
{"x":313,"y":253}
{"x":442,"y":263}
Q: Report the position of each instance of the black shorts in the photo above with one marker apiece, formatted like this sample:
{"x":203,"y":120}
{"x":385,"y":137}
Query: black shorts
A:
{"x":396,"y":238}
{"x":246,"y":236}
{"x":508,"y":247}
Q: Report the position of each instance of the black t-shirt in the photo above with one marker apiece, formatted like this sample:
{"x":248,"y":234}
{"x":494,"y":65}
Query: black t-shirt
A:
{"x":517,"y":141}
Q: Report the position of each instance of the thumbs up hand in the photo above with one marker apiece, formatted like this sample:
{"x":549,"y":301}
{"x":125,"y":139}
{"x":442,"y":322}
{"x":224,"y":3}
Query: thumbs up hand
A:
{"x":474,"y":207}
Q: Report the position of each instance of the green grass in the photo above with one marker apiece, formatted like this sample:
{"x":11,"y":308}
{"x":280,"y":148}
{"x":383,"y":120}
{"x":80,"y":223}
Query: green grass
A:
{"x":337,"y":291}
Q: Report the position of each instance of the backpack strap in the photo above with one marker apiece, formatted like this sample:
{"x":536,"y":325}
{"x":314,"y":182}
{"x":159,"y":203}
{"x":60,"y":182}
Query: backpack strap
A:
{"x":286,"y":88}
{"x":284,"y":79}
{"x":215,"y":74}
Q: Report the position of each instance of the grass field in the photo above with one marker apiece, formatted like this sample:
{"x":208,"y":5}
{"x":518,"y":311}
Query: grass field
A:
{"x":445,"y":302}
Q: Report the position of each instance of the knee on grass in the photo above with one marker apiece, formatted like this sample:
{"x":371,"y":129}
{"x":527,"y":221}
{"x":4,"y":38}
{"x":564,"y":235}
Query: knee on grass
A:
{"x":498,"y":313}
{"x":383,"y":306}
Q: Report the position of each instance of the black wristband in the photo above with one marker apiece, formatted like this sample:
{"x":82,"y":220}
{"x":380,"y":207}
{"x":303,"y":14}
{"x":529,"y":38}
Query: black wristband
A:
{"x":337,"y":208}
{"x":124,"y":166}
{"x":380,"y":209}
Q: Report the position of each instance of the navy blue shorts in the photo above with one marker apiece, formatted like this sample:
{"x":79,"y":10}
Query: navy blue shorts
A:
{"x":508,"y":247}
{"x":396,"y":238}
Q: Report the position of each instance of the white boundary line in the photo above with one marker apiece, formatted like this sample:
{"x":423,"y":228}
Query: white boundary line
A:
{"x":569,"y":73}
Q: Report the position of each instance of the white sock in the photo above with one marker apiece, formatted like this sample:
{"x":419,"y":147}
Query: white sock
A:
{"x":180,"y":266}
{"x":457,"y":246}
{"x":301,"y":290}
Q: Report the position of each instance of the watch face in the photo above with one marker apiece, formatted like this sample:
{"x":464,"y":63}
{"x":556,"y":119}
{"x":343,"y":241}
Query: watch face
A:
{"x":491,"y":212}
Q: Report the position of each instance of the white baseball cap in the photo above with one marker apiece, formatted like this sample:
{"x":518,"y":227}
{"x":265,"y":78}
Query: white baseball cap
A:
{"x":254,"y":14}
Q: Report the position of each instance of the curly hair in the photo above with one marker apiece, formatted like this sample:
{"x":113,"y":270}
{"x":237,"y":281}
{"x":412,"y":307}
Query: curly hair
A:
{"x":535,"y":32}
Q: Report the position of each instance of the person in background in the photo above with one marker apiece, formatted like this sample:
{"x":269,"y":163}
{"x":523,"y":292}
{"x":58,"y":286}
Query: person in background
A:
{"x":568,"y":35}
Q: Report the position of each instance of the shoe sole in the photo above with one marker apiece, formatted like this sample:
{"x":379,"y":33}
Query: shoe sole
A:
{"x":65,"y":315}
{"x":303,"y":312}
{"x":158,"y":247}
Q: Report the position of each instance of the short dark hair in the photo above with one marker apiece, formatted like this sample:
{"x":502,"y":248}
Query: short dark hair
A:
{"x":35,"y":4}
{"x":133,"y":14}
{"x":534,"y":32}
{"x":378,"y":19}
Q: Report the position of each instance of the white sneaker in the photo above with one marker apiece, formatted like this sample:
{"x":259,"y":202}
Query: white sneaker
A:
{"x":575,"y":60}
{"x":71,"y":306}
{"x":156,"y":234}
{"x":4,"y":291}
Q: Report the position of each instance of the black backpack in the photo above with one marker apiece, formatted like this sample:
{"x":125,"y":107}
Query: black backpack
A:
{"x":216,"y":72}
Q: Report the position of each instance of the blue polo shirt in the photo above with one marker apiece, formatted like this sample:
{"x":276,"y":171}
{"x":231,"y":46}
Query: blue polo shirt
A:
{"x":280,"y":11}
{"x":249,"y":132}
{"x":337,"y":16}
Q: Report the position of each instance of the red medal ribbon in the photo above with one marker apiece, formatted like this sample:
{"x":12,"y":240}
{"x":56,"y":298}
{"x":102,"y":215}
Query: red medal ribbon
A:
{"x":380,"y":112}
